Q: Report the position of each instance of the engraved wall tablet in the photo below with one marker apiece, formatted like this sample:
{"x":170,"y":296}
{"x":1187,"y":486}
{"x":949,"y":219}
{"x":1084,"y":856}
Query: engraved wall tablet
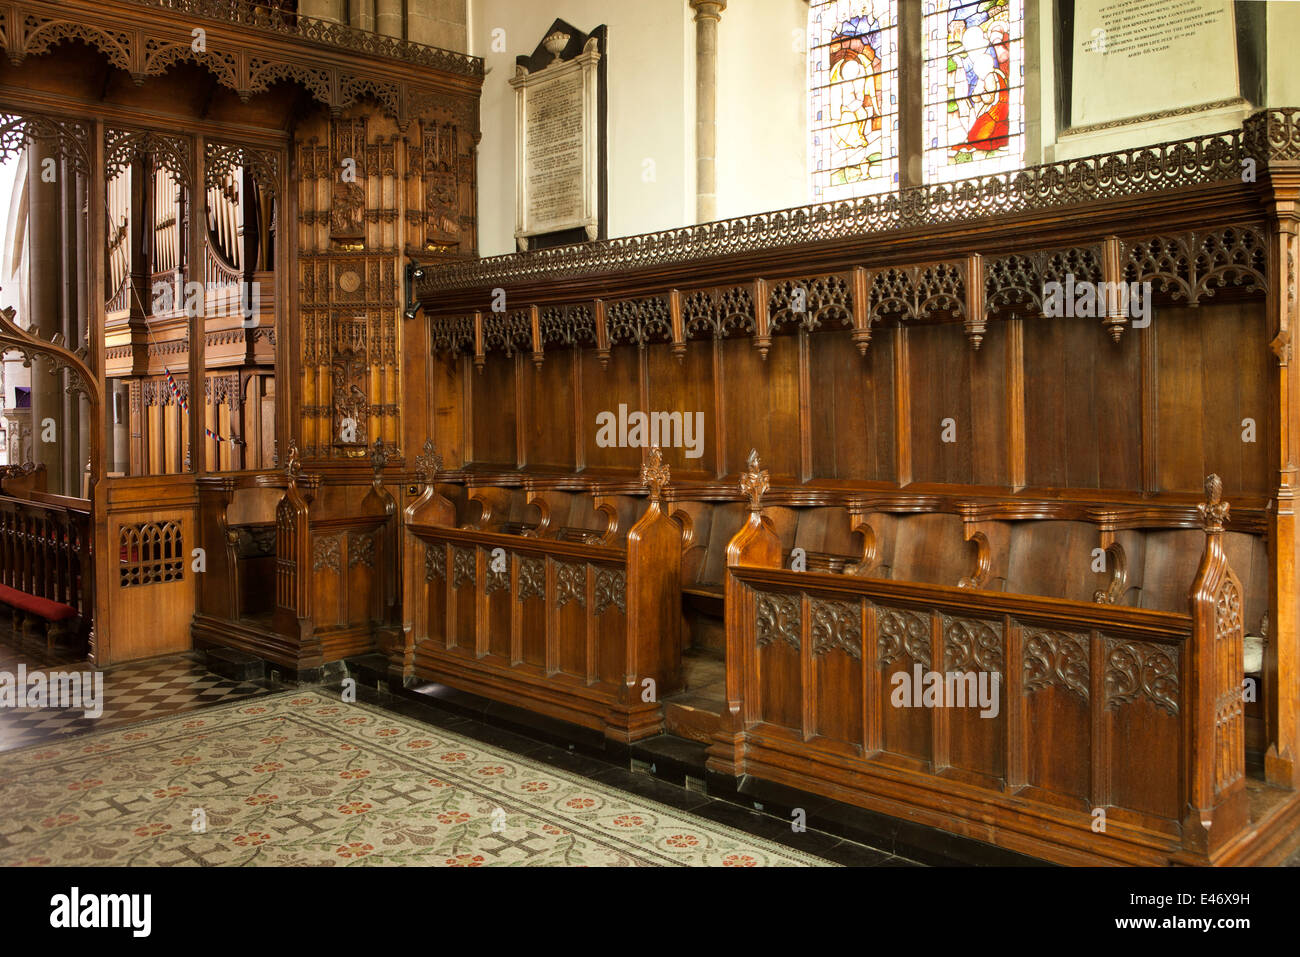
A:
{"x":558,"y":113}
{"x":1124,"y":51}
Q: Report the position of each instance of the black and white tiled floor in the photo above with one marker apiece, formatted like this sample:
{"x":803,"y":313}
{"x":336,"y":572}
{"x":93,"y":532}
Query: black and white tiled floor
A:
{"x":132,"y":692}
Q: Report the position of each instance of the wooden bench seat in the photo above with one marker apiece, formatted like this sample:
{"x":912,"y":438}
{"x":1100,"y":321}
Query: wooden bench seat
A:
{"x":927,"y":547}
{"x":52,"y":611}
{"x":1158,"y":560}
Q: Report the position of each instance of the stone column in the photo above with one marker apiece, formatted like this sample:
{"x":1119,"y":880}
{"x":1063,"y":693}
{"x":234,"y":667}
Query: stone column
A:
{"x":361,"y":14}
{"x":707,"y":15}
{"x":389,"y":19}
{"x":335,"y":10}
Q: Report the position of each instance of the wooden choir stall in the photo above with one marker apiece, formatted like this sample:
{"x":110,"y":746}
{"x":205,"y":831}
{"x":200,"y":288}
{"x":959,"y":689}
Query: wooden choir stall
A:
{"x":844,"y":496}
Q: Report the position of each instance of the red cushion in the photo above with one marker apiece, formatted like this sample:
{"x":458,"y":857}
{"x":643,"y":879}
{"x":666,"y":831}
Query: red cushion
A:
{"x":40,"y":607}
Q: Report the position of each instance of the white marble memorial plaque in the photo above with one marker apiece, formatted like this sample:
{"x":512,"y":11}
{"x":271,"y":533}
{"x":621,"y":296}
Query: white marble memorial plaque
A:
{"x":1138,"y":57}
{"x":556,"y":130}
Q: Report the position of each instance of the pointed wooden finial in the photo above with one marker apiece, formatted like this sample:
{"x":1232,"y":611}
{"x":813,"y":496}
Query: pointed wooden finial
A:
{"x":655,"y":474}
{"x":293,"y":468}
{"x":428,"y":464}
{"x":378,"y":460}
{"x":1213,"y":511}
{"x":754,"y":482}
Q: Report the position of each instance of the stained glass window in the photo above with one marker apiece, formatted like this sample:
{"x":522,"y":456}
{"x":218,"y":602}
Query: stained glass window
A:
{"x":974,"y":82}
{"x":853,"y":105}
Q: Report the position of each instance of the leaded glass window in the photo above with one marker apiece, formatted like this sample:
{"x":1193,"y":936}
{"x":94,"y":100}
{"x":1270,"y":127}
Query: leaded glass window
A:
{"x":853,"y":105}
{"x":974,"y":82}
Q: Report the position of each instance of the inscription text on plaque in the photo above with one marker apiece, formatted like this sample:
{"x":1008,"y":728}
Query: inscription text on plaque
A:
{"x":556,"y":120}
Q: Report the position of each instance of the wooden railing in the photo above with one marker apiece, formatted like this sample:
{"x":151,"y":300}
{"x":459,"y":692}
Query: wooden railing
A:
{"x":45,"y":553}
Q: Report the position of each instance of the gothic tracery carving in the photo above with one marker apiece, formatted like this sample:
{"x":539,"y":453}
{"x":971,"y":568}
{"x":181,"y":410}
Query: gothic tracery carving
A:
{"x":777,"y":618}
{"x":570,"y":584}
{"x":610,"y":589}
{"x":970,"y":645}
{"x":718,"y":313}
{"x":1136,"y":669}
{"x":902,"y":632}
{"x":836,"y":626}
{"x":1056,"y":658}
{"x":1190,"y":266}
{"x":639,"y":321}
{"x":532,"y":578}
{"x":810,"y":303}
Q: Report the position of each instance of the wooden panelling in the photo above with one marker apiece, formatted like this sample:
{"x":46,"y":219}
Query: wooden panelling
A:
{"x":1200,"y":410}
{"x":604,"y":389}
{"x":548,"y":420}
{"x":761,"y":404}
{"x":685,"y":385}
{"x":493,"y":398}
{"x":852,"y":413}
{"x":942,"y":430}
{"x":1081,"y":387}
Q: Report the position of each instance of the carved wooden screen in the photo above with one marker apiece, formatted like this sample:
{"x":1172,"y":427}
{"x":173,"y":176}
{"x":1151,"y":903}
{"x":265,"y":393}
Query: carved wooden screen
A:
{"x":370,"y":190}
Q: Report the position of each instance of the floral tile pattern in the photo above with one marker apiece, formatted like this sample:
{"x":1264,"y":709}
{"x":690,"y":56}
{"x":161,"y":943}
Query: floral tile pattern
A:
{"x":303,"y":779}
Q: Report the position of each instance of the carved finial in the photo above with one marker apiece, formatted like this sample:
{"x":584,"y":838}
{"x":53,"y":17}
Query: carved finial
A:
{"x":378,"y":460}
{"x":429,"y":463}
{"x":754,"y":482}
{"x":293,"y":468}
{"x":656,"y":474}
{"x":1212,"y":511}
{"x":555,"y":44}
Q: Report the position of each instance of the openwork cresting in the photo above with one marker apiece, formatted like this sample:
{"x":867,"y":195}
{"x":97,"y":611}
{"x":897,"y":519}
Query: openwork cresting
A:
{"x":1203,"y":160}
{"x":266,"y":17}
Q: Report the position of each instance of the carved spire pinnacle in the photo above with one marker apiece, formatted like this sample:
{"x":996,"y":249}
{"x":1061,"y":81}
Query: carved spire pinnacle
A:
{"x":294,"y":466}
{"x":1213,"y":511}
{"x":655,"y":474}
{"x":754,"y":482}
{"x":428,"y":463}
{"x":378,"y":460}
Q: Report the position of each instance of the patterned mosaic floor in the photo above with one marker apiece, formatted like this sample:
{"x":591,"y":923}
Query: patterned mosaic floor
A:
{"x":300,"y":778}
{"x":132,"y":692}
